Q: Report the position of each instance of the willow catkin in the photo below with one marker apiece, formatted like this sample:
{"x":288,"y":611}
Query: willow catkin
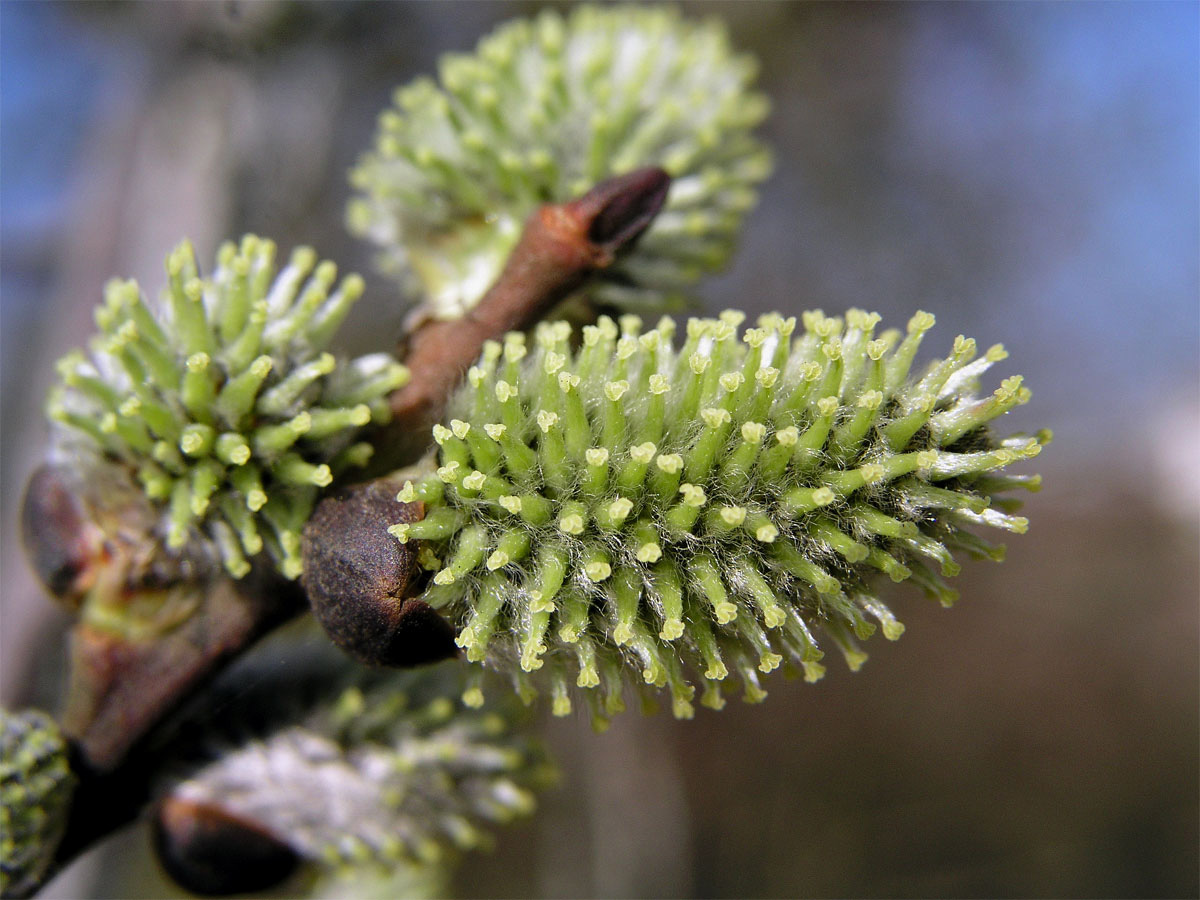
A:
{"x":542,"y":111}
{"x":222,"y":399}
{"x":715,"y":510}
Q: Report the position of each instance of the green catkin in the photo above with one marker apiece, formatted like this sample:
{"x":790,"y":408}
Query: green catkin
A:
{"x":239,"y":400}
{"x":36,"y":788}
{"x":767,"y":509}
{"x":384,"y":771}
{"x":458,"y":165}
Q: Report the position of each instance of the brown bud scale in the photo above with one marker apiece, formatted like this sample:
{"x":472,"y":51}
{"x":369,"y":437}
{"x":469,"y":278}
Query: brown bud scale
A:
{"x":209,"y":851}
{"x":359,"y":579}
{"x":63,"y":547}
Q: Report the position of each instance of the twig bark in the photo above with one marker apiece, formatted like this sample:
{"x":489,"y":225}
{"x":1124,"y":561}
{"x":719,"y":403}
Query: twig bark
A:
{"x":561,"y":247}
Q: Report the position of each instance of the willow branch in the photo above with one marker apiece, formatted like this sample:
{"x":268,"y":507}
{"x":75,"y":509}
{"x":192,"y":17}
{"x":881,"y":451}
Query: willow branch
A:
{"x":125,"y":693}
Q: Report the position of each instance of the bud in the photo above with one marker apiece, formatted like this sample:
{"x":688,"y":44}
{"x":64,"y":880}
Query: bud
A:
{"x":359,"y":579}
{"x":210,"y":851}
{"x":62,"y":545}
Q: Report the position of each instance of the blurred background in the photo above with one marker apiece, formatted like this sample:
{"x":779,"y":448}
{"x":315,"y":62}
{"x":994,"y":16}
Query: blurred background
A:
{"x":1029,"y":173}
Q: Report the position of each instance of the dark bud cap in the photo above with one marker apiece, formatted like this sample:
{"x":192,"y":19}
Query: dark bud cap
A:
{"x":359,"y":579}
{"x":61,"y":544}
{"x":620,"y":209}
{"x":209,"y":851}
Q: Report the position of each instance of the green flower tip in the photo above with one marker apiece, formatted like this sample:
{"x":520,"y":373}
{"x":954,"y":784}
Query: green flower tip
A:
{"x":35,"y":796}
{"x":382,"y":774}
{"x":222,"y":399}
{"x":696,"y":513}
{"x":541,"y":112}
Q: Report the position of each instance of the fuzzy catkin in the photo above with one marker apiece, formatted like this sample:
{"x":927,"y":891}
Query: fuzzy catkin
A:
{"x":695,"y":513}
{"x":384,"y":771}
{"x":222,"y":400}
{"x":542,"y":111}
{"x":36,"y":785}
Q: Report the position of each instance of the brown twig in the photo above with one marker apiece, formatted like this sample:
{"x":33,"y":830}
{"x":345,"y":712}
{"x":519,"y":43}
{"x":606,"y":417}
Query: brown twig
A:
{"x":560,"y":248}
{"x":125,"y":691}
